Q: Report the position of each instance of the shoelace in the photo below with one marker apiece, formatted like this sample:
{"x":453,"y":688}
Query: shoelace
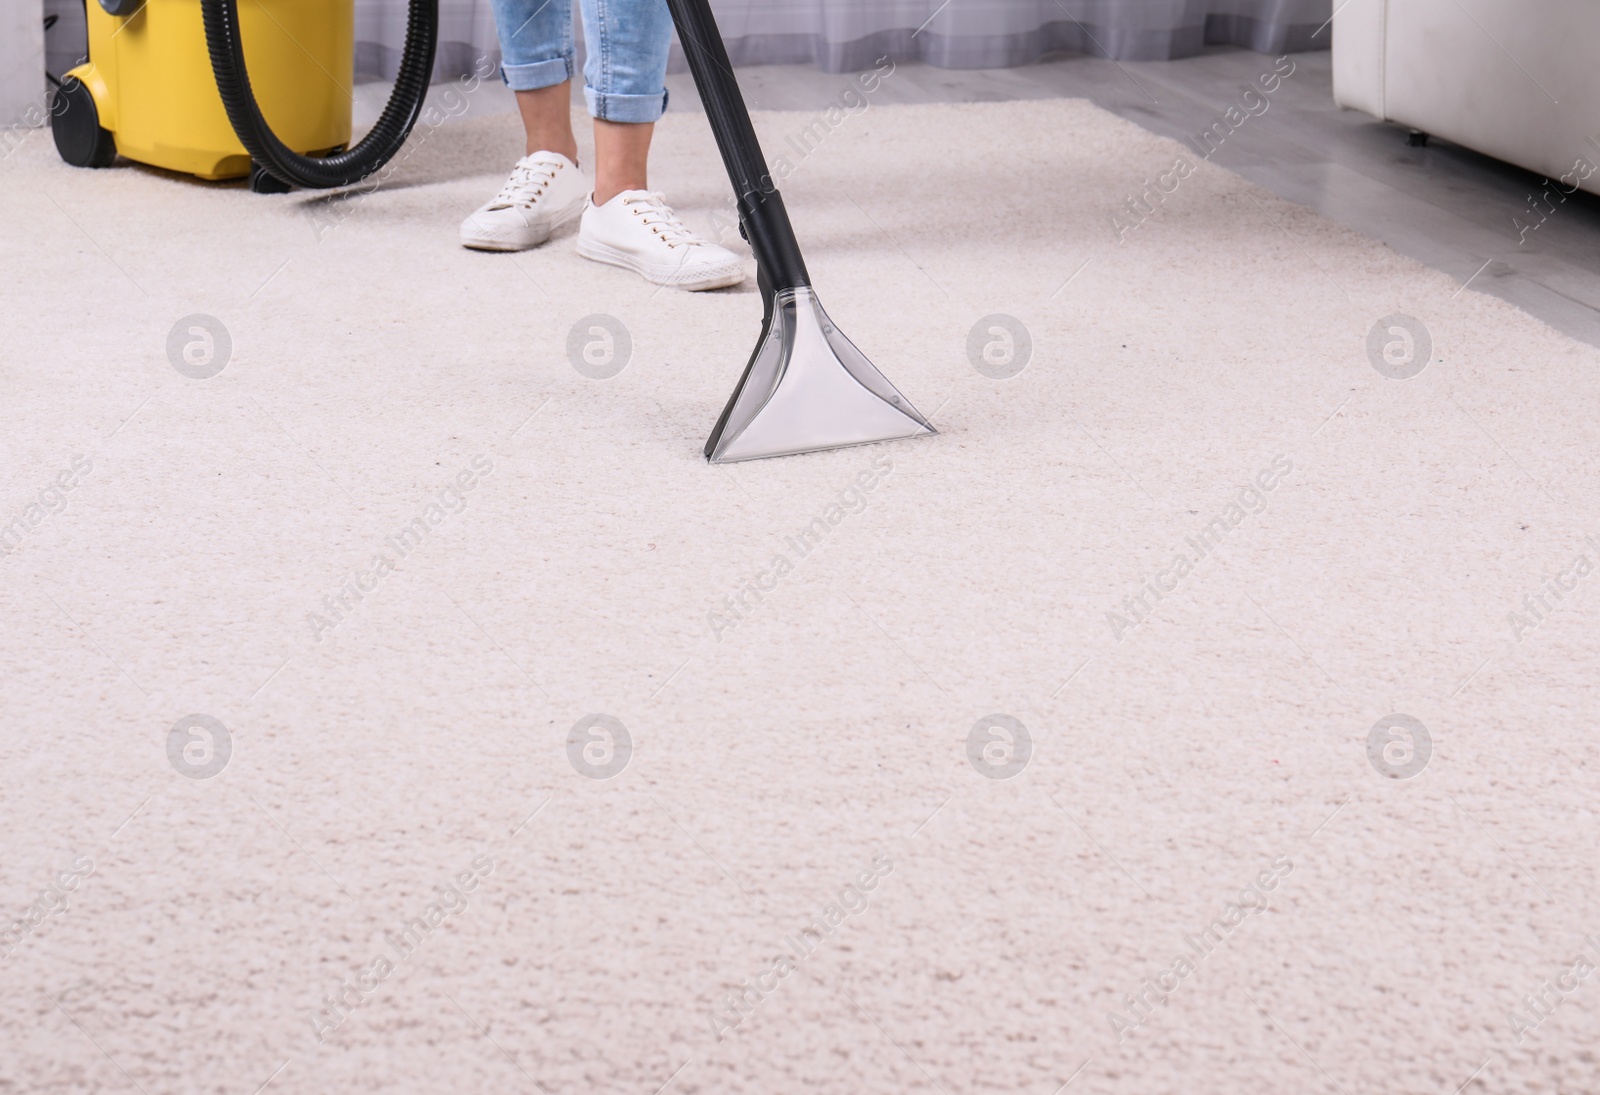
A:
{"x":660,"y":218}
{"x":527,"y":182}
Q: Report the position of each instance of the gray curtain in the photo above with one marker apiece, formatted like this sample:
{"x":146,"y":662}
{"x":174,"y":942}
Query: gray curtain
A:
{"x":466,"y":34}
{"x":850,"y":35}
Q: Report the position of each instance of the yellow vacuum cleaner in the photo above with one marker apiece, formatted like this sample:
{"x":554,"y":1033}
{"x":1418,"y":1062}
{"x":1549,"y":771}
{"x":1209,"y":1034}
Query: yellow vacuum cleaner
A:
{"x":226,"y":88}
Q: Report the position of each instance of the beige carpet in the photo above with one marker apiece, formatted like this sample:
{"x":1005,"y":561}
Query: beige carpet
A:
{"x":799,"y":783}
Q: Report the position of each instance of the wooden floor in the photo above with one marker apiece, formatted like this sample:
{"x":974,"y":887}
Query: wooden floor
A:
{"x":1445,"y":206}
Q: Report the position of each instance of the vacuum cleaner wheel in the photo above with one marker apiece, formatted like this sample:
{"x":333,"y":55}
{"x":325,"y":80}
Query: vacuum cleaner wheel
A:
{"x":263,"y":181}
{"x":75,"y":123}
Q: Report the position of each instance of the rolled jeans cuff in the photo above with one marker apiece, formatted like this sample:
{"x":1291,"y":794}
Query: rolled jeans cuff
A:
{"x":538,"y":74}
{"x":611,"y":107}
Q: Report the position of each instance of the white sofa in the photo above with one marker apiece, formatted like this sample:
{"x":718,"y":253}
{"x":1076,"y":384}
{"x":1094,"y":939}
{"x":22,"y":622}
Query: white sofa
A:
{"x":1514,"y":79}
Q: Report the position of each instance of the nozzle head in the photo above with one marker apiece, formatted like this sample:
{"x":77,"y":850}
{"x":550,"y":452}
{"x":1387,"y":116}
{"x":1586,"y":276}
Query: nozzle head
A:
{"x":808,"y":388}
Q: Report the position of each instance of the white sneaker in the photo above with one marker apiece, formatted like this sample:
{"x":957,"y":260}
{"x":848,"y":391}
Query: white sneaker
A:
{"x":545,"y":191}
{"x":638,"y":231}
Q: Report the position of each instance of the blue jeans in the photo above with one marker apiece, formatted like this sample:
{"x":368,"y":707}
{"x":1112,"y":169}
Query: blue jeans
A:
{"x":624,"y":76}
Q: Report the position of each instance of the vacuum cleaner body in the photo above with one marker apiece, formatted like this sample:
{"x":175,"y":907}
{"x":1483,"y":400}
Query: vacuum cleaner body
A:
{"x":149,"y":90}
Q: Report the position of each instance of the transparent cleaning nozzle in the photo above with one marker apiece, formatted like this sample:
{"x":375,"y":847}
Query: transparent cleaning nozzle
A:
{"x":809,"y":388}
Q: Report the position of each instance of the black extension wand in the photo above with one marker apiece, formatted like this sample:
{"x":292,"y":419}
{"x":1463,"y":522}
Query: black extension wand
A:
{"x":806,"y":386}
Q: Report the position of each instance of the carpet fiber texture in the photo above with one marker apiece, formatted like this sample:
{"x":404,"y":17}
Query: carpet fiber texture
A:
{"x":1054,"y":749}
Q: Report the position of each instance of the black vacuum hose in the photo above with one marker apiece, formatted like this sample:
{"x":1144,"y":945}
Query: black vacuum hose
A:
{"x":343,"y":168}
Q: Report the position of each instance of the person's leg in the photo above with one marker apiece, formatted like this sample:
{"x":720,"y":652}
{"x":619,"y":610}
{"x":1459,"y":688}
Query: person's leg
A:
{"x":621,"y":155}
{"x":625,"y":85}
{"x":626,"y":223}
{"x":545,"y":189}
{"x":547,"y":119}
{"x":536,"y":52}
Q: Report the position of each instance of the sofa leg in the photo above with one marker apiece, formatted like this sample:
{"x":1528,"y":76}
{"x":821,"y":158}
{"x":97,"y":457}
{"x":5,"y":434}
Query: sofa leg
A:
{"x":1416,"y":138}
